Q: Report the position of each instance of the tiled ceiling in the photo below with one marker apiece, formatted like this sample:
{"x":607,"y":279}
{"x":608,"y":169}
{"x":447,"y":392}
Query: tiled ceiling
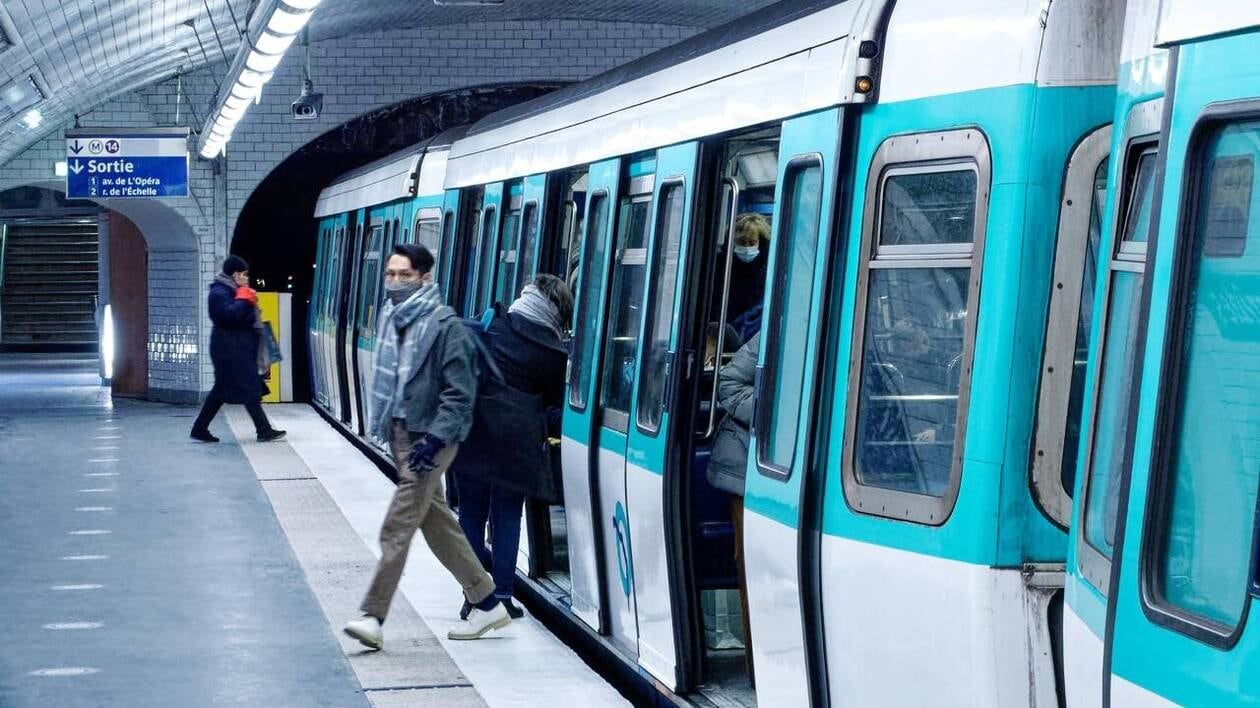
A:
{"x":81,"y":53}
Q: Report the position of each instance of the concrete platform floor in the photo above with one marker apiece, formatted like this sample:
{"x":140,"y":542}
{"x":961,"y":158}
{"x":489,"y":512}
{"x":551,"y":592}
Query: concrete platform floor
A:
{"x":143,"y":569}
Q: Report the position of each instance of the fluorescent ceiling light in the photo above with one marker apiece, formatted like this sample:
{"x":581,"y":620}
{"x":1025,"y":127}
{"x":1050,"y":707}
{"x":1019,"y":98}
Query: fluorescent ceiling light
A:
{"x":59,"y":168}
{"x":32,"y":118}
{"x":265,"y":63}
{"x":20,"y":94}
{"x":288,"y":22}
{"x":251,"y":79}
{"x":271,"y":32}
{"x":270,"y":43}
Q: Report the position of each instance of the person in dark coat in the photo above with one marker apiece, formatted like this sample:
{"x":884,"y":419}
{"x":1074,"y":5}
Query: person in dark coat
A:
{"x":234,"y":351}
{"x":506,"y":457}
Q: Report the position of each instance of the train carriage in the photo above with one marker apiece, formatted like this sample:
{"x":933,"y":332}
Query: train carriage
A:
{"x":1163,"y":569}
{"x":952,"y":302}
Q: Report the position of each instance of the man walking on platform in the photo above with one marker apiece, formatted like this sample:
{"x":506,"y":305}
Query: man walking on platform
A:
{"x":423,"y":388}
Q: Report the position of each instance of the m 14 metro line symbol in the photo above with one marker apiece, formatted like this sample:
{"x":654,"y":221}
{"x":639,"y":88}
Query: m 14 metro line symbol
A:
{"x":126,"y":163}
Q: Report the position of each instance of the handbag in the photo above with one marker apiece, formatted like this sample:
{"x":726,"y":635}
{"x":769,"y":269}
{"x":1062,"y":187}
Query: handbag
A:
{"x":272,"y":346}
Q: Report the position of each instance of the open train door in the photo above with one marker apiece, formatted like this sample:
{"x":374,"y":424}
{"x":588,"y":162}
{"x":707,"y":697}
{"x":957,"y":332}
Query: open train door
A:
{"x":648,"y":430}
{"x":579,"y":444}
{"x":781,"y":442}
{"x":1185,"y":580}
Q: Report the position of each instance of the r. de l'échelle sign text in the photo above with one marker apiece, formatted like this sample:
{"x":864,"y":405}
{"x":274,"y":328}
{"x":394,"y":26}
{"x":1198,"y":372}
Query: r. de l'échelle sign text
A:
{"x":126,"y":163}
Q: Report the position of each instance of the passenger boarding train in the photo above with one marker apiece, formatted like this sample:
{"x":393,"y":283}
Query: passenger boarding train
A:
{"x":1007,"y":433}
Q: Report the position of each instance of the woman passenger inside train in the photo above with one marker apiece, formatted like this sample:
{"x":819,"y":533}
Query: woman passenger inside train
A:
{"x":748,"y":273}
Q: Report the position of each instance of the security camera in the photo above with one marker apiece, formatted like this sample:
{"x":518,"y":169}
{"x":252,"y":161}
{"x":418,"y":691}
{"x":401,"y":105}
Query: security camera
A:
{"x":308,"y":103}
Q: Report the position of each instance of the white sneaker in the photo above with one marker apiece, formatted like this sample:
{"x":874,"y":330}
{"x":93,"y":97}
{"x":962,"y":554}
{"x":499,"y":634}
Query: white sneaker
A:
{"x":367,"y":630}
{"x":481,"y":621}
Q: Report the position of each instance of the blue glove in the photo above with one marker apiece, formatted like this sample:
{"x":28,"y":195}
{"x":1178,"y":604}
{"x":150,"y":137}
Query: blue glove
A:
{"x":424,"y":453}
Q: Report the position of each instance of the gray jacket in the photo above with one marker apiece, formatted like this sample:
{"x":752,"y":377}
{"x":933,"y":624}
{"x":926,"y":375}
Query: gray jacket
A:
{"x":729,"y":459}
{"x":438,"y":398}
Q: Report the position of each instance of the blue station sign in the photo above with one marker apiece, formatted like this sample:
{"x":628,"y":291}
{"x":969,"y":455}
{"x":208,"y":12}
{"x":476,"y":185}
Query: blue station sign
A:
{"x":126,"y":163}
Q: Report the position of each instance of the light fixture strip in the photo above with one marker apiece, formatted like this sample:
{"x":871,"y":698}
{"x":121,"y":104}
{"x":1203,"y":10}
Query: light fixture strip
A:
{"x":271,"y":31}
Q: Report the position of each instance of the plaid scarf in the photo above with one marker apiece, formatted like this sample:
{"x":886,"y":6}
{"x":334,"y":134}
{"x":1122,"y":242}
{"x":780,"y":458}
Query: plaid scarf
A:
{"x":406,"y":321}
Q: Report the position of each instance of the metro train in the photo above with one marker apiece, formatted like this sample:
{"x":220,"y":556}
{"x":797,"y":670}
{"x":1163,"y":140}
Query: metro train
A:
{"x":1004,"y":451}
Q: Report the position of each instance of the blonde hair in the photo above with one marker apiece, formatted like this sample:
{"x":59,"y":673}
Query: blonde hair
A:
{"x":751,"y":228}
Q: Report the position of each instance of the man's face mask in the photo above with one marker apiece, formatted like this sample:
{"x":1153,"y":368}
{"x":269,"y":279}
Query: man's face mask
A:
{"x":399,"y":290}
{"x":747,"y":254}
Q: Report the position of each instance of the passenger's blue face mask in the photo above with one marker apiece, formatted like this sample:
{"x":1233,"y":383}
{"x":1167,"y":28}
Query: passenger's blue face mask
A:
{"x":747,"y":254}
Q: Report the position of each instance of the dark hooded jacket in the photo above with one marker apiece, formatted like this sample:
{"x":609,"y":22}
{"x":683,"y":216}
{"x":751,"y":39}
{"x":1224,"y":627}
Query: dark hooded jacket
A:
{"x":507,"y":445}
{"x":233,"y":346}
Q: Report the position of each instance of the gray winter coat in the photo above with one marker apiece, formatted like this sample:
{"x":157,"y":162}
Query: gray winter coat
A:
{"x":438,"y":398}
{"x":735,"y":397}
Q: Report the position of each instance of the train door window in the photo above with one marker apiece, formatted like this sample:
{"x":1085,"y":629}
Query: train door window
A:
{"x":655,"y":373}
{"x":486,"y":259}
{"x":1117,"y":364}
{"x":786,"y":330}
{"x":445,"y":247}
{"x":914,"y":325}
{"x":588,"y":300}
{"x":1062,"y":392}
{"x":509,"y":254}
{"x":625,"y":313}
{"x":370,"y":280}
{"x":528,"y":247}
{"x":333,"y":284}
{"x":1200,"y":528}
{"x":427,"y":235}
{"x":572,"y":214}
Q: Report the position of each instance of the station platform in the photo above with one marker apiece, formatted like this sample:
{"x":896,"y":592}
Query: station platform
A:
{"x":145,"y":569}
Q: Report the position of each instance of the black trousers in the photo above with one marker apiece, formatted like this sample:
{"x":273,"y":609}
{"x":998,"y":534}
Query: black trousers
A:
{"x":213,"y":403}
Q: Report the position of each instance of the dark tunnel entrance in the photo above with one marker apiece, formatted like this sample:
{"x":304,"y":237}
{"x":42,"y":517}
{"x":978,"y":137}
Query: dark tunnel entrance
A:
{"x":275,"y":232}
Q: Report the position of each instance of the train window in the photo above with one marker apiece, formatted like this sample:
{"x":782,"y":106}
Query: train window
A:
{"x":1206,"y":476}
{"x":509,"y":258}
{"x":1121,"y":339}
{"x":486,"y":259}
{"x":625,"y":312}
{"x":370,"y":280}
{"x":528,"y":248}
{"x":915,"y":324}
{"x":588,"y":300}
{"x":446,"y":248}
{"x":1062,"y":391}
{"x":654,"y":374}
{"x":786,"y":326}
{"x":427,"y":235}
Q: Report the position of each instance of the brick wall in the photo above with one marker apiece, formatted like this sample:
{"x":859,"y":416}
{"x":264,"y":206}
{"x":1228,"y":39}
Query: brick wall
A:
{"x":356,"y":74}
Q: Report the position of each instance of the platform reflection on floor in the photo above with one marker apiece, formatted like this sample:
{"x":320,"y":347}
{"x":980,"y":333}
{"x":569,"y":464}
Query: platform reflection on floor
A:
{"x":148,"y":570}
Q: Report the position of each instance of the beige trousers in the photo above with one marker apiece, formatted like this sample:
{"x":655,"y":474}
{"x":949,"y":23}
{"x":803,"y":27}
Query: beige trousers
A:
{"x":420,"y":503}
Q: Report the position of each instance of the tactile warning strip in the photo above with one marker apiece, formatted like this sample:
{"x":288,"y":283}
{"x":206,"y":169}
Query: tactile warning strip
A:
{"x":413,"y":670}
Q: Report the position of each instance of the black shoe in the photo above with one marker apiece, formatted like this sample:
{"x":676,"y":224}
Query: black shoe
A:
{"x":203,"y":436}
{"x":270,"y":435}
{"x":513,"y":611}
{"x":463,"y":611}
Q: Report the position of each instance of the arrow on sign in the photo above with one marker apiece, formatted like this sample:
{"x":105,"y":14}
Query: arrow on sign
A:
{"x":76,"y":148}
{"x":76,"y":167}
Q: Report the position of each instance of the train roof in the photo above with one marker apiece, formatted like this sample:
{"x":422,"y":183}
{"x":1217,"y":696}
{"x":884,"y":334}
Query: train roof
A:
{"x":1186,"y":20}
{"x":787,"y":59}
{"x":415,"y":170}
